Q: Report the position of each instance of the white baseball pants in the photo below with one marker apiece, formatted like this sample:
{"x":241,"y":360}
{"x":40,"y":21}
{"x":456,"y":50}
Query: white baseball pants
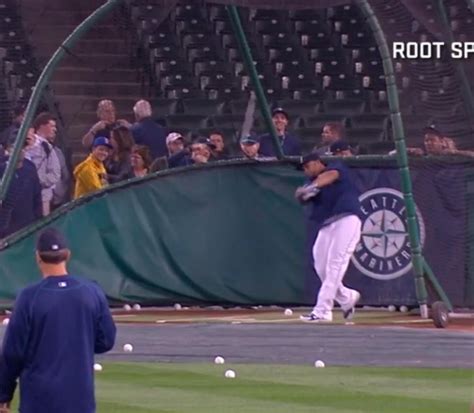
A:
{"x":332,"y":251}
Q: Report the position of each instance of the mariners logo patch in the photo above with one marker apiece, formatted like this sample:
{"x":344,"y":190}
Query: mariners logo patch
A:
{"x":383,"y":252}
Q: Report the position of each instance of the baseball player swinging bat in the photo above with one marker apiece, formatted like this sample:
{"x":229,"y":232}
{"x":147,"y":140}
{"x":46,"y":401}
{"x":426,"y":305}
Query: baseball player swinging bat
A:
{"x":334,"y":203}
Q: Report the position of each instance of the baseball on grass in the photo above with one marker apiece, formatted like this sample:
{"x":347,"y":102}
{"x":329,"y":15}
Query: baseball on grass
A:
{"x":392,"y":308}
{"x":127,"y":307}
{"x":319,"y":364}
{"x":5,"y":321}
{"x":128,"y":348}
{"x":137,"y":307}
{"x":97,"y":367}
{"x":404,"y":309}
{"x":288,"y":312}
{"x":229,"y":374}
{"x":219,"y":360}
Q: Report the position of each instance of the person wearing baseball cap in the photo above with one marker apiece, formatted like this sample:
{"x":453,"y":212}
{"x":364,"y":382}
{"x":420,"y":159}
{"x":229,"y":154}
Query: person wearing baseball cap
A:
{"x":333,"y":213}
{"x":56,"y":327}
{"x":340,"y":148}
{"x":290,"y":143}
{"x":174,"y":143}
{"x":178,"y":153}
{"x":90,"y":174}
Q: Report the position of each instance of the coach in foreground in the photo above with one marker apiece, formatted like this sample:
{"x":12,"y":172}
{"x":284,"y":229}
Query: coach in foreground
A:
{"x":334,"y":211}
{"x":55,"y":329}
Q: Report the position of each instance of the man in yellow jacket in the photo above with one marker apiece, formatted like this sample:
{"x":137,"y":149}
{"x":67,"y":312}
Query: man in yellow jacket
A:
{"x":91,"y":174}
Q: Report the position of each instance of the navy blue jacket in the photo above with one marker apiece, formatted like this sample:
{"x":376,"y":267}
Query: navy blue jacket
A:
{"x":148,"y":132}
{"x":22,"y":204}
{"x":56,"y":327}
{"x":291,"y":145}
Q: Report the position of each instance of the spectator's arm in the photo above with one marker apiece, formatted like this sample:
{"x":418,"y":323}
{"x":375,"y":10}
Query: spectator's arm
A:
{"x":105,"y":327}
{"x":12,"y":357}
{"x":88,"y":138}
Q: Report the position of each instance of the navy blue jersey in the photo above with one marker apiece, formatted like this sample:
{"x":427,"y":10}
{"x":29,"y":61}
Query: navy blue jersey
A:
{"x":290,"y":145}
{"x":56,"y":327}
{"x":339,"y":199}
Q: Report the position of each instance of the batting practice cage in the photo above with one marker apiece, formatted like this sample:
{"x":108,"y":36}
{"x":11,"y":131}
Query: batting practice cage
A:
{"x":230,"y":232}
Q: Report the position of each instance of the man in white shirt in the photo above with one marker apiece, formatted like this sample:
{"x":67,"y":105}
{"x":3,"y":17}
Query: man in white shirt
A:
{"x":44,"y":156}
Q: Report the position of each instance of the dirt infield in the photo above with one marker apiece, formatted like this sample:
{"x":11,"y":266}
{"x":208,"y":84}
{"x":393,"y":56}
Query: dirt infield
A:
{"x":364,"y":317}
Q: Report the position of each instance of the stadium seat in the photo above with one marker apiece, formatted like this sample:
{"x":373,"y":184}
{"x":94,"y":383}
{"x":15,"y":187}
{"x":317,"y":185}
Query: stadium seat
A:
{"x":299,"y":107}
{"x":380,"y":148}
{"x":187,"y":121}
{"x":212,"y":66}
{"x":346,"y":107}
{"x":364,"y":136}
{"x":183,"y":93}
{"x":228,"y":120}
{"x":164,"y":107}
{"x":318,"y":121}
{"x":369,"y":120}
{"x":203,"y":107}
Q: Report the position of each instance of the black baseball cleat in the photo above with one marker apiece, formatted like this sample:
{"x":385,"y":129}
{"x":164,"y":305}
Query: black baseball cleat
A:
{"x":349,"y":314}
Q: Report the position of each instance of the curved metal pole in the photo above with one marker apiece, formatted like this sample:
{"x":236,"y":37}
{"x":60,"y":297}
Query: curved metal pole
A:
{"x":402,"y":158}
{"x":43,"y":80}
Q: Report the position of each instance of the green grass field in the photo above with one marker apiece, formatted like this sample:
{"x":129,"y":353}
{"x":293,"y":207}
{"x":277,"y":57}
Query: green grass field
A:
{"x":202,"y":388}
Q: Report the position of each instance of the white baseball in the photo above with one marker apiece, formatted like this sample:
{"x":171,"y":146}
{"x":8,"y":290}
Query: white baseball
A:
{"x":404,"y":309}
{"x":97,"y":367}
{"x":137,"y":307}
{"x":127,"y":307}
{"x":128,"y":348}
{"x":319,"y":364}
{"x":288,"y":312}
{"x":177,"y":306}
{"x":392,"y":308}
{"x":219,"y":360}
{"x":229,"y":374}
{"x":5,"y":321}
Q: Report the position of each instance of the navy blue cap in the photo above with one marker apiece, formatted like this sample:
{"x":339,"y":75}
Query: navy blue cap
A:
{"x":313,"y":156}
{"x":339,"y":146}
{"x":102,"y":141}
{"x":275,"y":111}
{"x":51,"y":240}
{"x":206,"y":141}
{"x":249,"y":140}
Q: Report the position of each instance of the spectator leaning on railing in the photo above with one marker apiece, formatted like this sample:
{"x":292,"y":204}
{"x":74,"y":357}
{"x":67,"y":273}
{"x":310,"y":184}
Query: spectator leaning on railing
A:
{"x":147,"y":132}
{"x":22,"y":204}
{"x":90,"y":174}
{"x":43,"y":155}
{"x":290,"y":144}
{"x":436,"y":144}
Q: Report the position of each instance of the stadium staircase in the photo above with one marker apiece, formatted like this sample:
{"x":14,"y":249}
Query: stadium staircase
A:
{"x":99,"y":66}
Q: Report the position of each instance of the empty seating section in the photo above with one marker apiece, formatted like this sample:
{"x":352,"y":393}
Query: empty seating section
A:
{"x":18,"y":72}
{"x":321,"y":65}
